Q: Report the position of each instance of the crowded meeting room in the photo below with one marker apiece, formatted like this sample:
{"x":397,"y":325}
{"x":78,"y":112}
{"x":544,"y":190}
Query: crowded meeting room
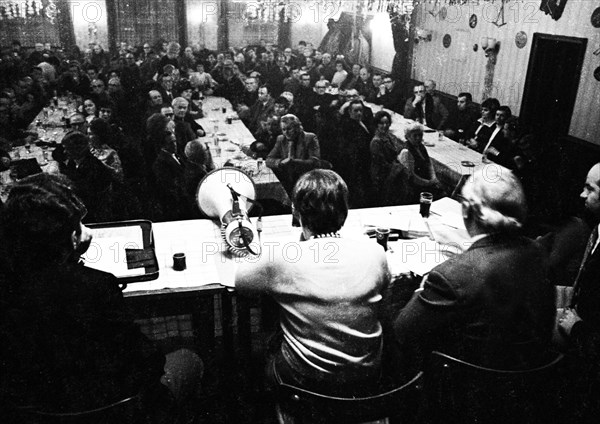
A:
{"x":299,"y":211}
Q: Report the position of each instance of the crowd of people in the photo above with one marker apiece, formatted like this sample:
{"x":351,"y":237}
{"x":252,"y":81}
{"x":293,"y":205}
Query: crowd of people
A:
{"x":134,"y":149}
{"x":119,"y":95}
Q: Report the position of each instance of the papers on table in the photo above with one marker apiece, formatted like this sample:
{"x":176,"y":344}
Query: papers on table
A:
{"x":419,"y":255}
{"x":107,"y":250}
{"x":449,"y":211}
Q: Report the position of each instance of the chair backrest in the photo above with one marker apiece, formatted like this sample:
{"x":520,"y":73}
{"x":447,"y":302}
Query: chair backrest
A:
{"x":456,"y":391}
{"x":127,"y":410}
{"x":310,"y":407}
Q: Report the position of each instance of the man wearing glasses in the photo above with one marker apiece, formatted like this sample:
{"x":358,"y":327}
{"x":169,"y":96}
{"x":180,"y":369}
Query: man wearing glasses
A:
{"x":389,"y":95}
{"x":166,"y":88}
{"x":99,"y":93}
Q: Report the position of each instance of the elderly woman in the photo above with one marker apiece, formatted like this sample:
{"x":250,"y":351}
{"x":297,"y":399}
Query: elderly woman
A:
{"x":332,"y":335}
{"x":385,"y":151}
{"x":417,"y":166}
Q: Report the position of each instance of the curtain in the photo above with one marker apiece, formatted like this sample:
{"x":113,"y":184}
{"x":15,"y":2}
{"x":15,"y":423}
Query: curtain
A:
{"x":139,"y":22}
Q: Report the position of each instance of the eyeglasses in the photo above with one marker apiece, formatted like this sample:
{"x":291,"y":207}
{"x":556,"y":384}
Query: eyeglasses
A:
{"x":388,"y":81}
{"x":97,"y":86}
{"x":169,"y":115}
{"x":106,"y":110}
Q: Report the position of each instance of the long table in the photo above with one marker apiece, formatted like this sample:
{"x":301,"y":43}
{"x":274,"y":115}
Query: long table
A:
{"x":211,"y":268}
{"x":228,"y":138}
{"x":452,"y":161}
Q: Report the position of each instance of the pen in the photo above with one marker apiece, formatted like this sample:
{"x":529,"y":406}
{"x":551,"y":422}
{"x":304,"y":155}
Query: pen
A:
{"x":431,"y":237}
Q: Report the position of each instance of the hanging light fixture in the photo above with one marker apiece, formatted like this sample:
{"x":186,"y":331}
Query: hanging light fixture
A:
{"x":25,"y":9}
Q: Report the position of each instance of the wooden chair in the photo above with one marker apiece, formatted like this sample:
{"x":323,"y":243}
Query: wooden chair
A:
{"x":456,"y":391}
{"x":297,"y":405}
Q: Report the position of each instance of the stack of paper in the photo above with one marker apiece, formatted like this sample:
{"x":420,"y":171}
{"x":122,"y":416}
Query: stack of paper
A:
{"x":418,"y":256}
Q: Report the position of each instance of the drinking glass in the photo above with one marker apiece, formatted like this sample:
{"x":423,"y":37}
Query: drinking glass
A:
{"x":425,"y":200}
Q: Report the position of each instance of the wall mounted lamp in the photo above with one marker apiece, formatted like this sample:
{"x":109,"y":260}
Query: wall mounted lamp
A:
{"x":489,"y":46}
{"x":423,"y":35}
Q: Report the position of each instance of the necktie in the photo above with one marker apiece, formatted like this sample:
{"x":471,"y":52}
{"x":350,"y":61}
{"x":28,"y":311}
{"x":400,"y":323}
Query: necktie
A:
{"x":588,"y":251}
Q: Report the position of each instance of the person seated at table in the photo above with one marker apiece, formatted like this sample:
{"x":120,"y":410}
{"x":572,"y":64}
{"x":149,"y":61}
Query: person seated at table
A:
{"x":421,"y":108}
{"x":491,"y":305}
{"x":295,"y":152}
{"x":389,"y":95}
{"x":482,"y":130}
{"x":92,"y":180}
{"x":260,"y":110}
{"x":266,"y":137}
{"x":169,"y":176}
{"x":353,"y":159}
{"x":90,"y":109}
{"x":385,"y":152}
{"x":186,"y":91}
{"x":497,"y":142}
{"x":99,"y":93}
{"x":329,"y":310}
{"x":418,"y":167}
{"x":461,"y":119}
{"x":183,"y":129}
{"x":103,"y":144}
{"x":230,"y":86}
{"x":71,"y":345}
{"x":340,"y":75}
{"x":199,"y":163}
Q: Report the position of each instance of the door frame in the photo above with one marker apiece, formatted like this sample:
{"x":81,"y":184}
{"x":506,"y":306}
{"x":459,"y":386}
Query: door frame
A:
{"x":537,"y":37}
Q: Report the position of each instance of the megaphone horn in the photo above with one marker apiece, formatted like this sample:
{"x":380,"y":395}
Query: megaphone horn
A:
{"x":224,"y":194}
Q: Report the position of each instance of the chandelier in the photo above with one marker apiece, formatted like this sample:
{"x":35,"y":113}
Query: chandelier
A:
{"x":28,"y":9}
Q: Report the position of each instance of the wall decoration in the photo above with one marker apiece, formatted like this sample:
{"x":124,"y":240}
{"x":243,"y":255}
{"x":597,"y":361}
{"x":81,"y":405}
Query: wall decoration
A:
{"x":596,"y":18}
{"x":475,"y":47}
{"x":597,"y":73}
{"x":447,"y":40}
{"x":554,"y":8}
{"x":521,"y":39}
{"x":443,"y":13}
{"x":473,"y":21}
{"x":500,"y":18}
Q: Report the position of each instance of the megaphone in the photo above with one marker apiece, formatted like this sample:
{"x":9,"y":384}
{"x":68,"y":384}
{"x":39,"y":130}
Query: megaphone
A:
{"x":228,"y":194}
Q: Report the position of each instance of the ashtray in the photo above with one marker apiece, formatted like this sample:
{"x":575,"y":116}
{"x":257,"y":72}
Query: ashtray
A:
{"x":467,"y":163}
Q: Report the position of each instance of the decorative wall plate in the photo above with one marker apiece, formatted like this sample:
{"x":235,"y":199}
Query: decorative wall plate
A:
{"x":473,"y":21}
{"x":521,"y":39}
{"x":596,"y":18}
{"x":447,"y":40}
{"x":597,"y":73}
{"x":443,"y":13}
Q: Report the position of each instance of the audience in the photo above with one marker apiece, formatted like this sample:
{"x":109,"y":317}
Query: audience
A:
{"x":480,"y":133}
{"x":421,"y":175}
{"x":461,"y":119}
{"x":295,"y":152}
{"x":385,"y":152}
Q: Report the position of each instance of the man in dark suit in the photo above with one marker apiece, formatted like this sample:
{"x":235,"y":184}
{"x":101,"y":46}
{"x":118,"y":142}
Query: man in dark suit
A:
{"x":492,"y":305}
{"x":580,"y":323}
{"x":295,"y":152}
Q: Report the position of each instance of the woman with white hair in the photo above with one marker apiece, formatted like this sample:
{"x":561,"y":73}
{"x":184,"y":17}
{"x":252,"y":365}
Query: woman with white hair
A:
{"x":417,"y":165}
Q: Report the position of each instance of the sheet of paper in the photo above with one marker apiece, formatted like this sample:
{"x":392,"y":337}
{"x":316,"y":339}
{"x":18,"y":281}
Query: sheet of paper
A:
{"x":419,"y":255}
{"x":107,"y":250}
{"x":450,"y":212}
